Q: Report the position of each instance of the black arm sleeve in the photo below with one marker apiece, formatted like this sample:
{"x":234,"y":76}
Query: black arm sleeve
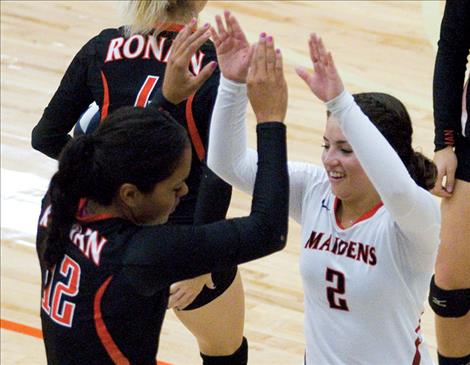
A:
{"x":72,"y":97}
{"x":449,"y":72}
{"x":167,"y":254}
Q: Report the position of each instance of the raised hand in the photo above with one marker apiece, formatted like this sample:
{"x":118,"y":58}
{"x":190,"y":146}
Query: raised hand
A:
{"x":233,"y":50}
{"x":267,"y":87}
{"x":324,"y":81}
{"x":446,"y":163}
{"x":179,"y":83}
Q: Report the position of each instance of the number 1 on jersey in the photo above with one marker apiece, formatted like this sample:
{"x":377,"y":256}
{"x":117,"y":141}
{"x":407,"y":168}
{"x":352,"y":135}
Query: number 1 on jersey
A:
{"x":145,"y":91}
{"x":333,"y":292}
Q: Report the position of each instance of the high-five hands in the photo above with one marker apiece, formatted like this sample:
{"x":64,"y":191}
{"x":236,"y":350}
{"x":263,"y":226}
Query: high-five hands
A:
{"x":233,"y":50}
{"x":267,"y":87}
{"x":325,"y":81}
{"x":179,"y":83}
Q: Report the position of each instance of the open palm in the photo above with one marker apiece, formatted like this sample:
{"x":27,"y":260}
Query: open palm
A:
{"x":233,"y":50}
{"x":325,"y":81}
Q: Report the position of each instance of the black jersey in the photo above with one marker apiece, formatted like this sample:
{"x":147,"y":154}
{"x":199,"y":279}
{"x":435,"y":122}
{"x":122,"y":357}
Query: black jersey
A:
{"x":449,"y":75}
{"x":116,"y":71}
{"x":105,"y":300}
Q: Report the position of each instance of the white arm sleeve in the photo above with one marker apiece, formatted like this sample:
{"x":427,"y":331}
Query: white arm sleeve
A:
{"x":413,"y":208}
{"x":231,"y":159}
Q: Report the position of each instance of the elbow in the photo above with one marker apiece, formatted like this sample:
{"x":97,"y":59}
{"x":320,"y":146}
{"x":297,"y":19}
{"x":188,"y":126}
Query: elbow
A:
{"x":280,"y":241}
{"x":277,"y":236}
{"x":36,"y":140}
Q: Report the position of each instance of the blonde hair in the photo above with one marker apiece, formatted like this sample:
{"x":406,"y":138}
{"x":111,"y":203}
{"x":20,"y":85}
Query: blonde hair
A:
{"x":143,"y":16}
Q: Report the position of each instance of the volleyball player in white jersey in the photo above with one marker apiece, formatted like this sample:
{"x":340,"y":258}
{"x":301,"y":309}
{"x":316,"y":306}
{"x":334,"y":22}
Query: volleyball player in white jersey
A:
{"x":369,"y":226}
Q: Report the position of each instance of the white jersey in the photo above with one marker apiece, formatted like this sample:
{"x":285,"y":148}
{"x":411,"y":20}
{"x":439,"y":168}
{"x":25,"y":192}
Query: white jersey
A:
{"x":365,"y":285}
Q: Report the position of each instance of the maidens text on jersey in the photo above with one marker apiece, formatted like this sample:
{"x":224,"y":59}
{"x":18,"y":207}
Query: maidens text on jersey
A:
{"x":145,"y":47}
{"x":354,"y":250}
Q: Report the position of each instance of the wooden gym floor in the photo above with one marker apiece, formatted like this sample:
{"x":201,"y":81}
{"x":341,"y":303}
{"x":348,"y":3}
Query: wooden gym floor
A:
{"x":386,"y":46}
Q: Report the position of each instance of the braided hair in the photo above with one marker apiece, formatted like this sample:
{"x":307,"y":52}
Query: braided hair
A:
{"x":391,"y":118}
{"x":133,"y":145}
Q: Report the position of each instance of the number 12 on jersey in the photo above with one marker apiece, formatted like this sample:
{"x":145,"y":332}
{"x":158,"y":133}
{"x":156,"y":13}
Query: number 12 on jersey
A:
{"x":333,"y":292}
{"x":62,"y":314}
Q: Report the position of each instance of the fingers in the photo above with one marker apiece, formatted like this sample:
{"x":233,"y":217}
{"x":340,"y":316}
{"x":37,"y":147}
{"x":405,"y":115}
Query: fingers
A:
{"x":175,"y":295}
{"x":270,"y":55}
{"x":444,"y":183}
{"x":450,"y":181}
{"x":215,"y":37}
{"x":190,"y":45}
{"x":236,"y":28}
{"x":203,"y":75}
{"x":222,"y":33}
{"x":183,"y":35}
{"x":228,"y":21}
{"x":260,"y":56}
{"x":312,"y":45}
{"x":279,"y":63}
{"x":304,"y":75}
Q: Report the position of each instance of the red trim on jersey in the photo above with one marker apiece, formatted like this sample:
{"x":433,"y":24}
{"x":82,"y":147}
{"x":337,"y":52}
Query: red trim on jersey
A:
{"x":109,"y":345}
{"x":363,"y":217}
{"x":105,"y":107}
{"x":82,"y":216}
{"x":192,"y":129}
{"x":171,"y":27}
{"x":417,"y":358}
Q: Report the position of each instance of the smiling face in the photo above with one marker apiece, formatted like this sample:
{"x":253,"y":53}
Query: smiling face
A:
{"x":348,"y":180}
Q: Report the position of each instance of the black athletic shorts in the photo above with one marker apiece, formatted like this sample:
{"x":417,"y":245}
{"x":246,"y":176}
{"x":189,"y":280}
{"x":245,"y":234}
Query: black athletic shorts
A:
{"x":462,"y":151}
{"x":222,"y":280}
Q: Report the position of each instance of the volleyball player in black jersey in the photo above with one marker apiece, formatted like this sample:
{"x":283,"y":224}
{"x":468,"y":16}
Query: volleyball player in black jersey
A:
{"x":125,"y":66}
{"x":450,"y":287}
{"x":107,"y":258}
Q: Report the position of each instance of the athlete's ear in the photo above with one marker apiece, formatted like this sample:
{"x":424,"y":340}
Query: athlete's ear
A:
{"x":130,"y":195}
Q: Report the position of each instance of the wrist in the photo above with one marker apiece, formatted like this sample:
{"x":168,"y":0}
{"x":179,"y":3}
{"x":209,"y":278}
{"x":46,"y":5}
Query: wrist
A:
{"x":170,"y":97}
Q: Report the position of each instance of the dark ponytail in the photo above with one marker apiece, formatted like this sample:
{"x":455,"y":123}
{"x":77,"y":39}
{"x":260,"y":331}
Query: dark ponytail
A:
{"x":66,"y":188}
{"x":422,"y":170}
{"x":133,"y":145}
{"x":391,"y":118}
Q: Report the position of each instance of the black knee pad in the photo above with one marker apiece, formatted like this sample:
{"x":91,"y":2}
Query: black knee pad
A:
{"x":239,"y":357}
{"x":449,"y":303}
{"x":453,"y":360}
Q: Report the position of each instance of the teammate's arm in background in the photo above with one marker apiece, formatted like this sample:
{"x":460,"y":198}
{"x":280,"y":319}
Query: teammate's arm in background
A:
{"x":449,"y":76}
{"x":72,"y":97}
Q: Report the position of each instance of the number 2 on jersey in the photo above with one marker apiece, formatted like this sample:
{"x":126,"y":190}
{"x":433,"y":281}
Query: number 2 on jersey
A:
{"x":333,"y":292}
{"x":62,"y":314}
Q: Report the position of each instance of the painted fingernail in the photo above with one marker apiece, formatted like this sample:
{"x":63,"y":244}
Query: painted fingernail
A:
{"x":270,"y":39}
{"x":278,"y":51}
{"x":206,"y":25}
{"x":214,"y":65}
{"x":263,"y":35}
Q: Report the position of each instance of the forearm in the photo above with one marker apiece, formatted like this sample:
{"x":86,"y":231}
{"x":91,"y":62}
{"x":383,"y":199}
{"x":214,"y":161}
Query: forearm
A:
{"x":213,"y":198}
{"x":228,"y":155}
{"x":449,"y":72}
